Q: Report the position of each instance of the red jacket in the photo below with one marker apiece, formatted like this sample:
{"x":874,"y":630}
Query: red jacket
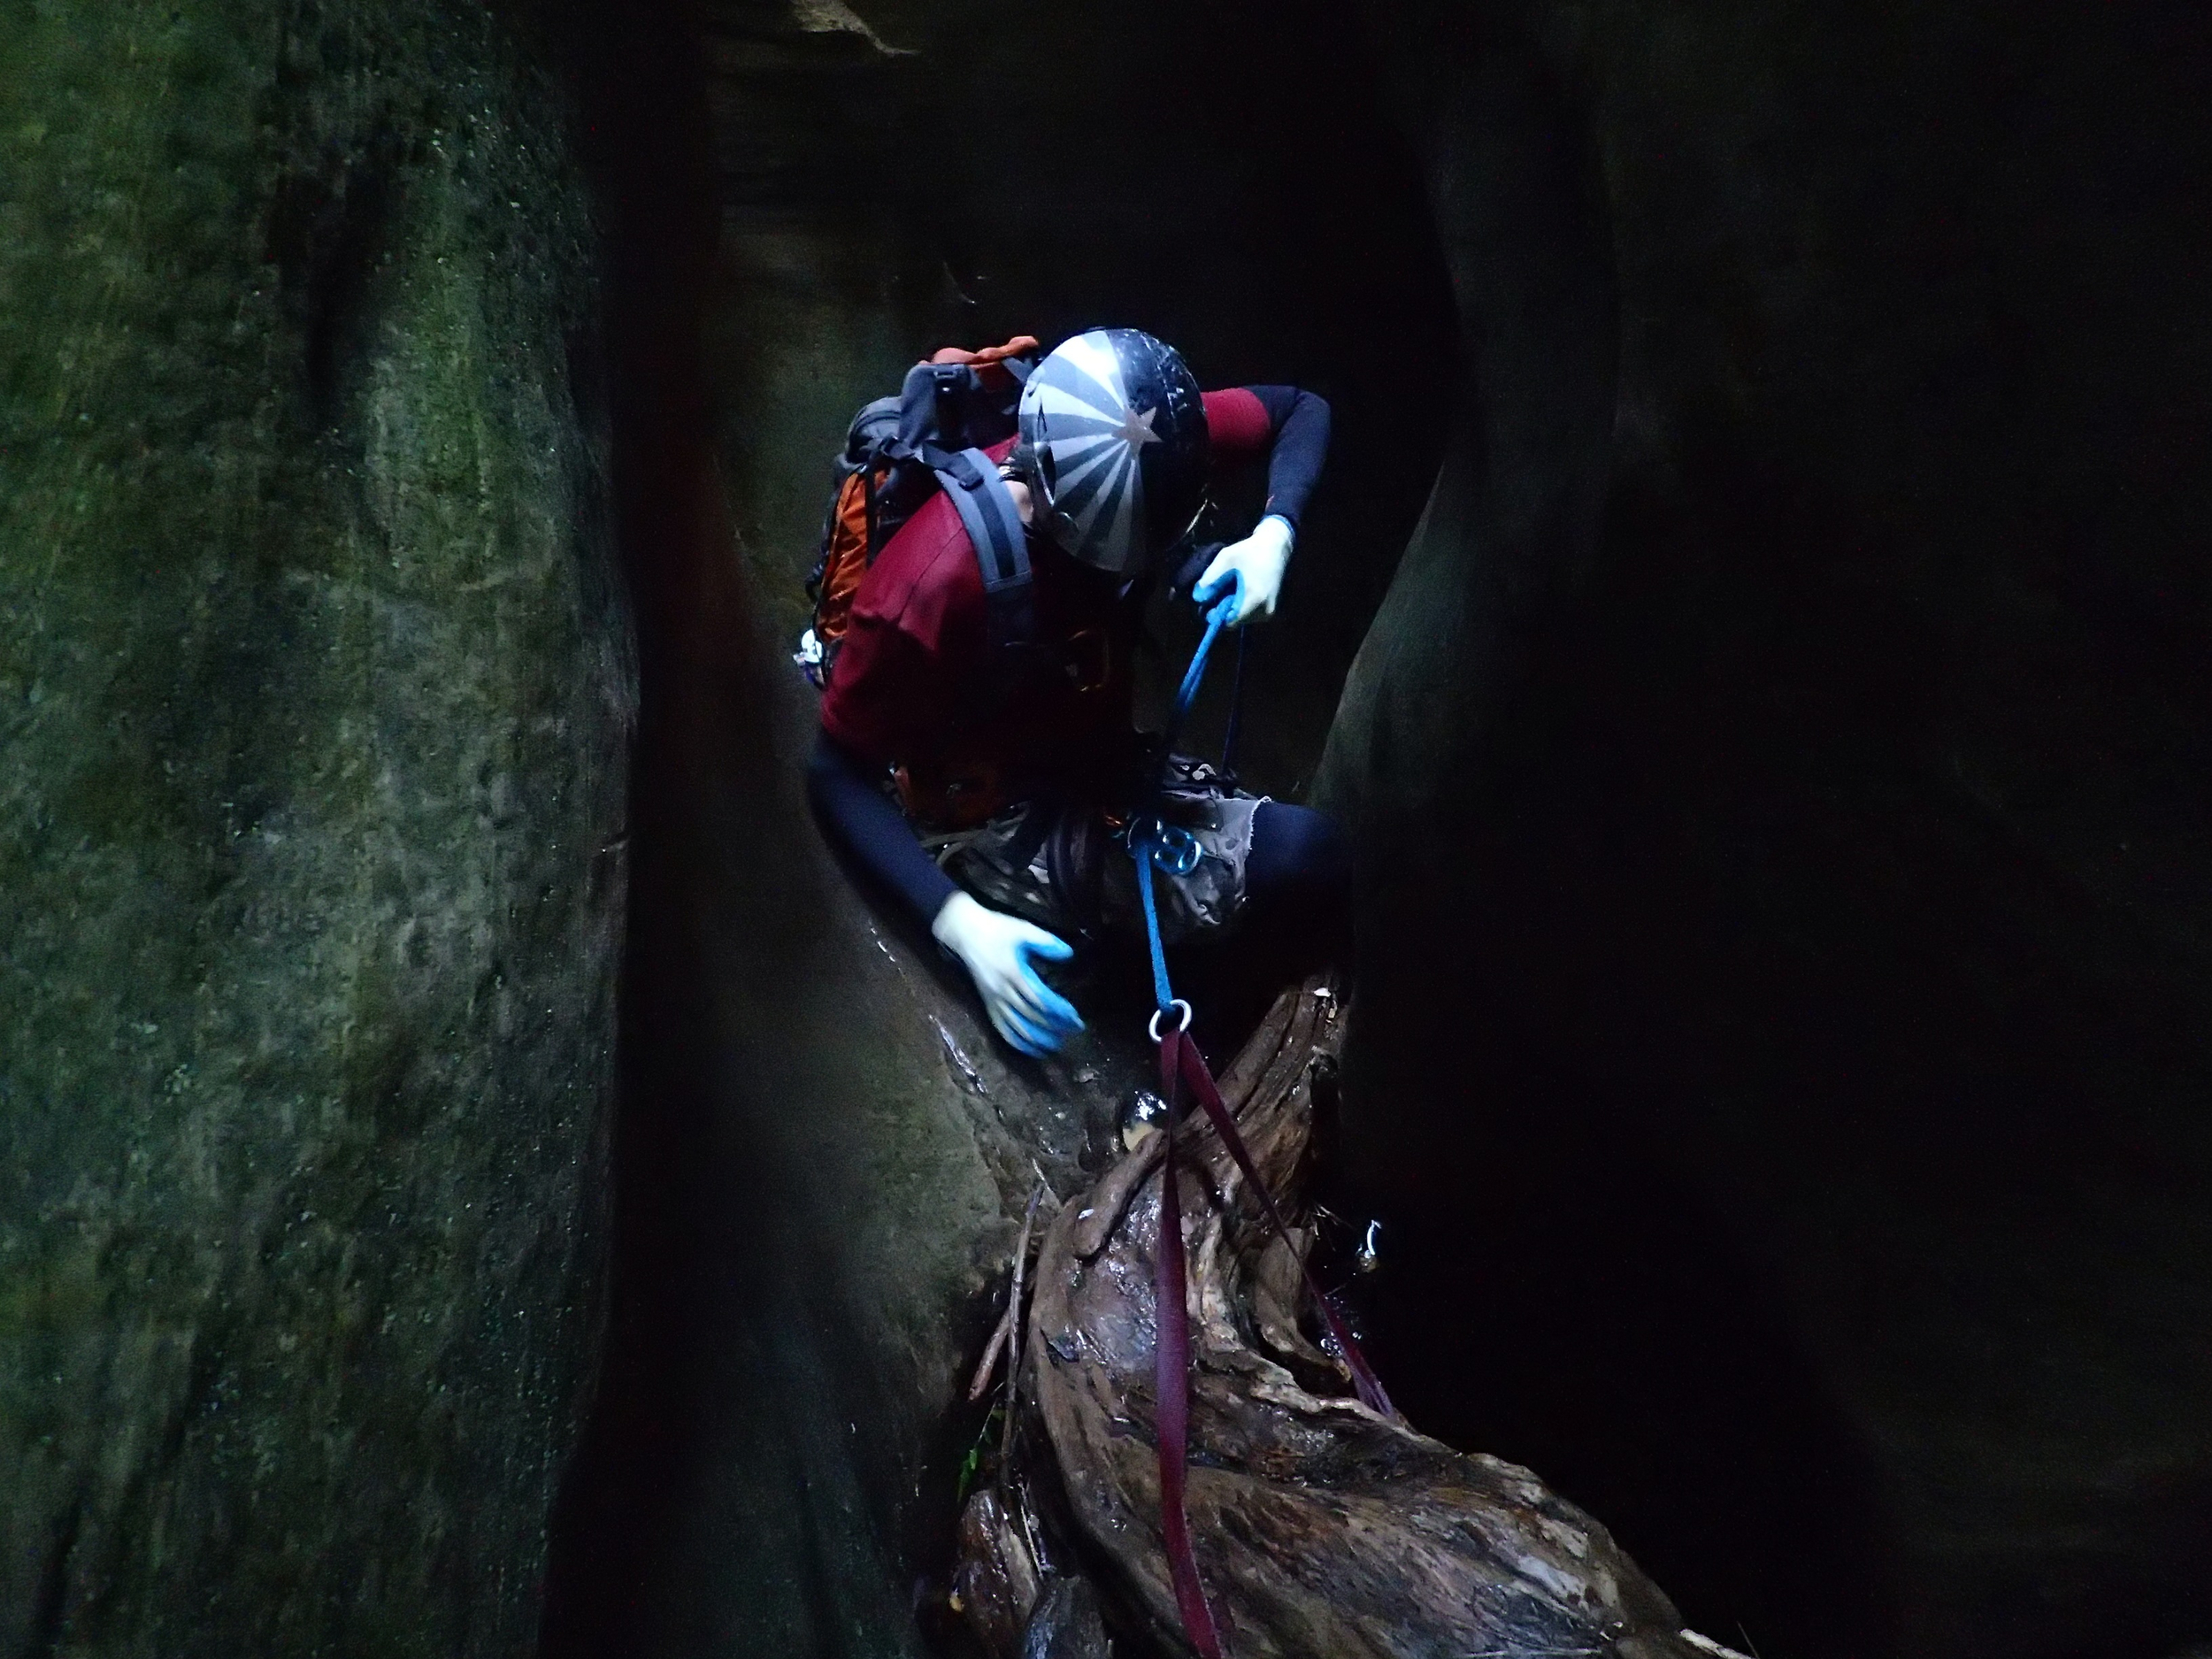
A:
{"x":906,"y":689}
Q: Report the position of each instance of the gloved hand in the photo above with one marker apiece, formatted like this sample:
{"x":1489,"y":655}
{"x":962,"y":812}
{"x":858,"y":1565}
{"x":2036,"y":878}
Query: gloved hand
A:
{"x":1254,"y":566}
{"x":995,"y":949}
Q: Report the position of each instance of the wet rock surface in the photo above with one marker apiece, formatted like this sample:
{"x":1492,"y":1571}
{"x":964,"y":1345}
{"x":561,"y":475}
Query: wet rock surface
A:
{"x":316,"y":686}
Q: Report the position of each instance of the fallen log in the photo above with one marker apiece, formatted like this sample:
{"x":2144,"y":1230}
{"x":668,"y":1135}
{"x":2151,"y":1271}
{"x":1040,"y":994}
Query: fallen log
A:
{"x":1323,"y":1529}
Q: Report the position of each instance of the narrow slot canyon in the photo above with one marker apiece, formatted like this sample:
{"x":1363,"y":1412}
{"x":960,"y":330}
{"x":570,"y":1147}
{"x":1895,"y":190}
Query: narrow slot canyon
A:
{"x":483,"y":1177}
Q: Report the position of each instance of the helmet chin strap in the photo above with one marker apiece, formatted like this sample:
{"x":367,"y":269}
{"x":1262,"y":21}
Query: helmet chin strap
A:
{"x":1018,"y":489}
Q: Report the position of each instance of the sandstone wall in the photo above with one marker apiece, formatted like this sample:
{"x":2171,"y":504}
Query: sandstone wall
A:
{"x":316,"y":686}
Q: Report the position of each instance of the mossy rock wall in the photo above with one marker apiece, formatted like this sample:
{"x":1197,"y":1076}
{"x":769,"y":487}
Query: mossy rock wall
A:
{"x":314,"y":692}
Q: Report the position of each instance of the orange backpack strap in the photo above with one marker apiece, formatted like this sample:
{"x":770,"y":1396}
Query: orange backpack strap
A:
{"x":990,"y":363}
{"x":844,"y":563}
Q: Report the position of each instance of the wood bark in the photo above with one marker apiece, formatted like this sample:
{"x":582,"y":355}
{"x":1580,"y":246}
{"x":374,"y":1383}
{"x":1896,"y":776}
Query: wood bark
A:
{"x":1323,"y":1529}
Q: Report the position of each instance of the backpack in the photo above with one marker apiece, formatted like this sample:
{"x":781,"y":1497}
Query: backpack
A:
{"x":898,"y":452}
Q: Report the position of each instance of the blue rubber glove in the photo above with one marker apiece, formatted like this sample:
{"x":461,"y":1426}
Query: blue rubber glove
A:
{"x":1254,"y":567}
{"x":995,"y":949}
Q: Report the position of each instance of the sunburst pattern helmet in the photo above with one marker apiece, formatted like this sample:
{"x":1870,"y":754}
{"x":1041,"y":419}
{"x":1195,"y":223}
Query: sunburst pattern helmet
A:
{"x":1114,"y":430}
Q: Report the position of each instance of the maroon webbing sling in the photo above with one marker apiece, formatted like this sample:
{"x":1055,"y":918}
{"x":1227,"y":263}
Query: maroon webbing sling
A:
{"x":1181,"y":1065}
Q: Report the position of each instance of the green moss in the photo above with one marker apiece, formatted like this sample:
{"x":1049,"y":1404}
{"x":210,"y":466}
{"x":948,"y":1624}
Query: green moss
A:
{"x":307,"y":678}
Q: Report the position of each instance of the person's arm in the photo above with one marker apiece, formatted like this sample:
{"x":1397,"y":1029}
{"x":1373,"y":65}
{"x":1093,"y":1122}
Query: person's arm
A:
{"x":1247,"y":576}
{"x":858,"y":817}
{"x":995,"y":949}
{"x":1298,"y":434}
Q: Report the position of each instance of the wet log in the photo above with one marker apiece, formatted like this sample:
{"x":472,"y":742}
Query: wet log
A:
{"x":1323,"y":1529}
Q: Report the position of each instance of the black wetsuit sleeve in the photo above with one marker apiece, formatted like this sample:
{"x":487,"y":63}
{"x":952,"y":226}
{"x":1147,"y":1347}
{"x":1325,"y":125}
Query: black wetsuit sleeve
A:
{"x":1300,"y":421}
{"x":858,"y":817}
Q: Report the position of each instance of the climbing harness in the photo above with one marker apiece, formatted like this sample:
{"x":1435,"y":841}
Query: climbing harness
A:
{"x":1154,"y":845}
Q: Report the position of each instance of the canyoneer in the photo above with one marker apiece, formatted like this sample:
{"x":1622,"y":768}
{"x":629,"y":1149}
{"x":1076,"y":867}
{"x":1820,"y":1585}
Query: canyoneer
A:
{"x":977,"y":755}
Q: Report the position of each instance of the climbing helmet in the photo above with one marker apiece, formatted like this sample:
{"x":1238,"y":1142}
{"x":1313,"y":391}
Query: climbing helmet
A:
{"x":1113,"y":445}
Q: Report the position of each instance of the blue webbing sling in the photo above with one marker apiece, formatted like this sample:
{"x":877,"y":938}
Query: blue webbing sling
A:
{"x":1181,"y":1066}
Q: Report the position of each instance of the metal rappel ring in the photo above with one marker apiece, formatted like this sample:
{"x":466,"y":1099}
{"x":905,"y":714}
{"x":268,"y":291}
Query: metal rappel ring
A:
{"x":1153,"y":1026}
{"x":1175,"y":849}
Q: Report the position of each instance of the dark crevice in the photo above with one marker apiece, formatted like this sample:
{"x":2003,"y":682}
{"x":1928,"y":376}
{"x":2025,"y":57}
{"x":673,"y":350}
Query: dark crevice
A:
{"x":326,"y":228}
{"x":48,"y":1624}
{"x":639,"y":97}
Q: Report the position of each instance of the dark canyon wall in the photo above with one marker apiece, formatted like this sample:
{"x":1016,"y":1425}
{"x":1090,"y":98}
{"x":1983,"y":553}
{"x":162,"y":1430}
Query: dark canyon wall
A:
{"x":1781,"y":769}
{"x":315,"y":689}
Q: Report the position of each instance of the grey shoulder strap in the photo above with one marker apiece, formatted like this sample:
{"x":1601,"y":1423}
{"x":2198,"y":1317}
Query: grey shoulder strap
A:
{"x":1002,"y":545}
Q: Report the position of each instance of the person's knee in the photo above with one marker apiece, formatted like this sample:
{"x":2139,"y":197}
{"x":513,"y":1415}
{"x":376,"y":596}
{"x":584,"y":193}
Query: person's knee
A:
{"x":1298,"y":884}
{"x":1297,"y":848}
